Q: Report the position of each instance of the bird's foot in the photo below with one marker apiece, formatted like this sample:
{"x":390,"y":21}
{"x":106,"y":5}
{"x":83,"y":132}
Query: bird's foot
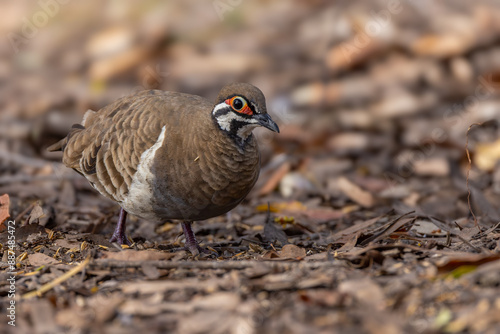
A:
{"x":120,"y":238}
{"x":191,"y":244}
{"x":119,"y":233}
{"x":196,"y":249}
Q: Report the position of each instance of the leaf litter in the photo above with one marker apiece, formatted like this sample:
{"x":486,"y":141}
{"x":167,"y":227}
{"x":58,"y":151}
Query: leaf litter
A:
{"x":363,"y":220}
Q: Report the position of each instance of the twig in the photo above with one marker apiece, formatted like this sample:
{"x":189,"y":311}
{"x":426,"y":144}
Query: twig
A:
{"x":458,"y":225}
{"x":46,"y":287}
{"x":469,"y":167}
{"x":469,"y":244}
{"x":25,"y":211}
{"x":388,"y":229}
{"x":488,"y":231}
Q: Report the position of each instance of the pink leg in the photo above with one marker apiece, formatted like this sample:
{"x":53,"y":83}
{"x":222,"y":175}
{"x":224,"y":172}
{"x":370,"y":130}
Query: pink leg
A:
{"x":191,"y":243}
{"x":119,"y":233}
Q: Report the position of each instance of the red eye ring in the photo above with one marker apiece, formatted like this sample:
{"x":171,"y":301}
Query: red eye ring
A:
{"x":245,"y":109}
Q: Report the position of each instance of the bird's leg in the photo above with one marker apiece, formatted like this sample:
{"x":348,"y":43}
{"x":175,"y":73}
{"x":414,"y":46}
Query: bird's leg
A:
{"x":119,"y":233}
{"x":191,"y":243}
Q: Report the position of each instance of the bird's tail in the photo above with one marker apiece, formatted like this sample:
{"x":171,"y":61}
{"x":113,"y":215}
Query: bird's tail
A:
{"x":61,"y":144}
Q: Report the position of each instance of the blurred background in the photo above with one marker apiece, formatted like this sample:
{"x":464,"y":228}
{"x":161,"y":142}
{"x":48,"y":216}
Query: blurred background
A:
{"x":381,"y":92}
{"x":373,"y":99}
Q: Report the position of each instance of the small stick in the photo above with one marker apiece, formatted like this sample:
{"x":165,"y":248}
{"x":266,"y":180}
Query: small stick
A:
{"x":469,"y":244}
{"x":25,"y":211}
{"x":48,"y":286}
{"x":469,"y":167}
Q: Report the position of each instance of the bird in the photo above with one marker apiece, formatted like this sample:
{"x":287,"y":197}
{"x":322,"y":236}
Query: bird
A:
{"x":166,"y":156}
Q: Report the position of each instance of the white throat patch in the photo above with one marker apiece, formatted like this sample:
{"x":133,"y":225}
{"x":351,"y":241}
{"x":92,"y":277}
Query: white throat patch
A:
{"x":246,"y":131}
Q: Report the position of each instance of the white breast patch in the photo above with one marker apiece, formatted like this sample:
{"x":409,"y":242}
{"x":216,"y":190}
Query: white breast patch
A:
{"x":139,"y":199}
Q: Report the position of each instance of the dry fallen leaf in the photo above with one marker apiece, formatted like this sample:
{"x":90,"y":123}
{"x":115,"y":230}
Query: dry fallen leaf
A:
{"x":39,"y":259}
{"x":36,"y":213}
{"x":441,"y":45}
{"x":487,"y":155}
{"x":275,"y":179}
{"x":355,"y":193}
{"x":271,"y":254}
{"x":4,"y":210}
{"x":281,"y":206}
{"x":292,"y":252}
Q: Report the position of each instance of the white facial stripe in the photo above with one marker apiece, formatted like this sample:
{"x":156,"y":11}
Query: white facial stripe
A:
{"x":220,"y":106}
{"x":226,"y":120}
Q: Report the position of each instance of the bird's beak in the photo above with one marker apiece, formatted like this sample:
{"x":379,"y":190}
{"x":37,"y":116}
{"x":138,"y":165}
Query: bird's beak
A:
{"x":266,"y":121}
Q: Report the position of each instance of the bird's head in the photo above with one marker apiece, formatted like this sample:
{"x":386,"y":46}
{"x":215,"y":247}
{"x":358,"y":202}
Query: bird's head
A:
{"x":240,"y":108}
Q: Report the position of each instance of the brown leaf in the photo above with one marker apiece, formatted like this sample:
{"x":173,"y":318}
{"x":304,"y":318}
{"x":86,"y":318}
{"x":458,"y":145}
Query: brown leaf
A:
{"x":273,"y":233}
{"x":292,"y":252}
{"x":322,"y":297}
{"x":275,"y":179}
{"x":65,"y":243}
{"x":292,"y":206}
{"x":389,"y":228}
{"x":487,"y":155}
{"x":322,"y":214}
{"x":272,"y":254}
{"x":36,"y":213}
{"x":457,"y":259}
{"x":440,"y":45}
{"x":347,"y":233}
{"x":349,"y":244}
{"x":355,"y":193}
{"x":4,"y":210}
{"x":39,"y":259}
{"x":432,"y":167}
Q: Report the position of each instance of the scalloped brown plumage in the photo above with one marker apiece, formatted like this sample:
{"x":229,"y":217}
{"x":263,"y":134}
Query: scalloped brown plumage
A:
{"x":161,"y":156}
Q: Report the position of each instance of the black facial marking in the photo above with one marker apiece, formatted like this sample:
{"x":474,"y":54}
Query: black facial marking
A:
{"x":222,"y":111}
{"x":236,"y":125}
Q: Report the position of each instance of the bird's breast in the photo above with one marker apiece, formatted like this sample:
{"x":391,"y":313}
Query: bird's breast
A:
{"x":195,"y":183}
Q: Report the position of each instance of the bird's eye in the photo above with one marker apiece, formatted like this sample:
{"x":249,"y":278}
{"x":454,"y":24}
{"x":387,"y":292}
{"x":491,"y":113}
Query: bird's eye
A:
{"x":240,"y":105}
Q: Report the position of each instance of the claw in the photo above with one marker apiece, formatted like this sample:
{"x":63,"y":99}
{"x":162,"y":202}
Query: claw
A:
{"x":196,"y":249}
{"x":120,"y":239}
